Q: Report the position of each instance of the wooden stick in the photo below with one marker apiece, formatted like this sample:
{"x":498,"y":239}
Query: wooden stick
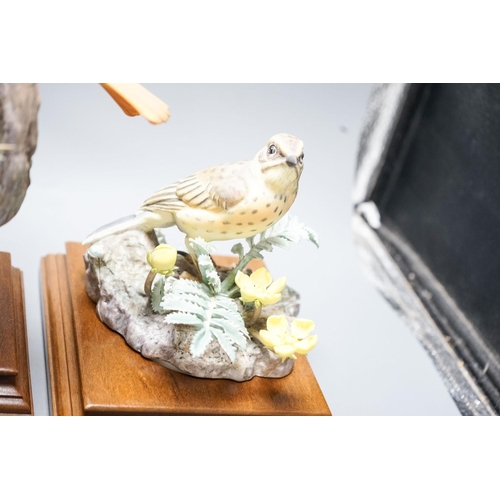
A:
{"x":135,"y":100}
{"x":255,"y":316}
{"x":149,"y":283}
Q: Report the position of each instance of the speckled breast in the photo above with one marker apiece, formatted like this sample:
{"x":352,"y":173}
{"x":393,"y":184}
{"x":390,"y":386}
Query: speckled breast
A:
{"x":250,"y":217}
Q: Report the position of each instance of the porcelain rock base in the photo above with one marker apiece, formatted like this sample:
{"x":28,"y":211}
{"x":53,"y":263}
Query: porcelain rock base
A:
{"x":116,"y":268}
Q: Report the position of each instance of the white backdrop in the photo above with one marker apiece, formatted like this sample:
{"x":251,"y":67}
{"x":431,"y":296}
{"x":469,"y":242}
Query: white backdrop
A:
{"x":93,"y":165}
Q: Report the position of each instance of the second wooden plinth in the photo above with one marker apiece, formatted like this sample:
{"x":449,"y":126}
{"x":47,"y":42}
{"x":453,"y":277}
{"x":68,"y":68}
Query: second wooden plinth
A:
{"x":15,"y":386}
{"x":94,"y":372}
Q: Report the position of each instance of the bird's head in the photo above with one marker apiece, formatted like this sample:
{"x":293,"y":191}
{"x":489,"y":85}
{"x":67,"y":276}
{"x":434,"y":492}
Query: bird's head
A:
{"x":282,"y":160}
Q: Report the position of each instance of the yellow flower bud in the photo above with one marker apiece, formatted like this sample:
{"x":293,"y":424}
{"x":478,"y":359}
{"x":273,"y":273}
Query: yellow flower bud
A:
{"x":162,"y":259}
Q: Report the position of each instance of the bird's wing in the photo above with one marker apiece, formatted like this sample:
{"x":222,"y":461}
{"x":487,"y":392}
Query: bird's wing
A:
{"x":217,"y":187}
{"x":164,"y":200}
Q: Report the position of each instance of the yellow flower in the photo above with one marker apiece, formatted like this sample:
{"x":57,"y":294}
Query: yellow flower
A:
{"x":162,"y":259}
{"x":288,"y":343}
{"x":259,"y":287}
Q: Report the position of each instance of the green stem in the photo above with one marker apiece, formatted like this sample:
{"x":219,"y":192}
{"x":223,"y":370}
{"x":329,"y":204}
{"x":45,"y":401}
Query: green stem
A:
{"x":233,"y":291}
{"x":228,"y":283}
{"x":250,"y":242}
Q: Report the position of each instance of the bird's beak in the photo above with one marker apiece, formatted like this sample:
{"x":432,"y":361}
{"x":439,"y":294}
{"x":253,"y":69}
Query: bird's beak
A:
{"x":291,"y":160}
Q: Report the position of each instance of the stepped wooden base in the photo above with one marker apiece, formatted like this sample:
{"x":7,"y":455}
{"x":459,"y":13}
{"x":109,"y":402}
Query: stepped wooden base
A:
{"x":94,"y":372}
{"x":15,"y":387}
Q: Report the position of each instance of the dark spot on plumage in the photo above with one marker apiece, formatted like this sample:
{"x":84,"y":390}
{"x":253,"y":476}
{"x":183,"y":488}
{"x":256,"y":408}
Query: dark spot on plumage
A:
{"x":268,"y":205}
{"x":239,"y":224}
{"x":270,"y":224}
{"x":285,"y":199}
{"x":208,"y":231}
{"x":281,"y":196}
{"x":226,"y":223}
{"x":276,"y":209}
{"x":250,"y":223}
{"x":263,"y":220}
{"x":281,"y":211}
{"x":254,"y":211}
{"x":239,"y":232}
{"x":253,"y":231}
{"x":223,"y":232}
{"x":242,"y":213}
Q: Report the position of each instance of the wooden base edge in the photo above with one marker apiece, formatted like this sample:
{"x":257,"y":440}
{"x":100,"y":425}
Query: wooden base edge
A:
{"x":64,"y":383}
{"x":76,"y":341}
{"x":15,"y":384}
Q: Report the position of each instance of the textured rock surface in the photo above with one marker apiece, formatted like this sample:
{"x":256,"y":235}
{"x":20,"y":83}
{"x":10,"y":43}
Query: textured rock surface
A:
{"x":19,"y":103}
{"x":116,"y":270}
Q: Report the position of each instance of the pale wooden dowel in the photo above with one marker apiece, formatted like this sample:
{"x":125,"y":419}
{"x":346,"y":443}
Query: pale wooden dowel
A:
{"x":134,"y":99}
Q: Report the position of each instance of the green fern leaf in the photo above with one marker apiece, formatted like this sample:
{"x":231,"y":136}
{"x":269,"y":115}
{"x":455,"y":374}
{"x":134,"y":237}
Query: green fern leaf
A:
{"x":235,"y":317}
{"x":200,"y":246}
{"x":226,"y":308}
{"x":225,"y":301}
{"x":225,"y":343}
{"x":238,"y":250}
{"x":201,"y":300}
{"x":160,"y":236}
{"x":176,"y":303}
{"x":189,"y":286}
{"x":213,"y":316}
{"x":287,"y":231}
{"x":183,"y":318}
{"x":208,"y":273}
{"x":232,"y":331}
{"x":200,"y":341}
{"x":157,"y":294}
{"x":292,"y":230}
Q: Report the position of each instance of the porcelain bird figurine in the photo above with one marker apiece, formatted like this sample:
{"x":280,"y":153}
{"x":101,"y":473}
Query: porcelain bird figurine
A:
{"x":224,"y":202}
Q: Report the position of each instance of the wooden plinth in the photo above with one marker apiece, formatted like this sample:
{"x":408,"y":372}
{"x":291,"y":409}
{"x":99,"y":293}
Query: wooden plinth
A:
{"x":15,"y":387}
{"x":94,"y":372}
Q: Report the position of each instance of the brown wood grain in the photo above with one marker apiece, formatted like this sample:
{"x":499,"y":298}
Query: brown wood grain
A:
{"x":99,"y":370}
{"x":8,"y":356}
{"x":15,"y":385}
{"x":60,"y":339}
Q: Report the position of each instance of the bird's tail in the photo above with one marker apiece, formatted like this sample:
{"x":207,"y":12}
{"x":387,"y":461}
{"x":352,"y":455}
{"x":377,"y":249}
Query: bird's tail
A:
{"x":142,"y":220}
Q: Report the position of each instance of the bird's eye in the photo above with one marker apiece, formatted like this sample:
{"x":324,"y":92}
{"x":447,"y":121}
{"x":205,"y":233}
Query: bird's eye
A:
{"x":272,"y":150}
{"x":301,"y":158}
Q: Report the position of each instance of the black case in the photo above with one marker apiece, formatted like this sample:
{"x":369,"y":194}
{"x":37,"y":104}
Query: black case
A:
{"x":427,"y":224}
